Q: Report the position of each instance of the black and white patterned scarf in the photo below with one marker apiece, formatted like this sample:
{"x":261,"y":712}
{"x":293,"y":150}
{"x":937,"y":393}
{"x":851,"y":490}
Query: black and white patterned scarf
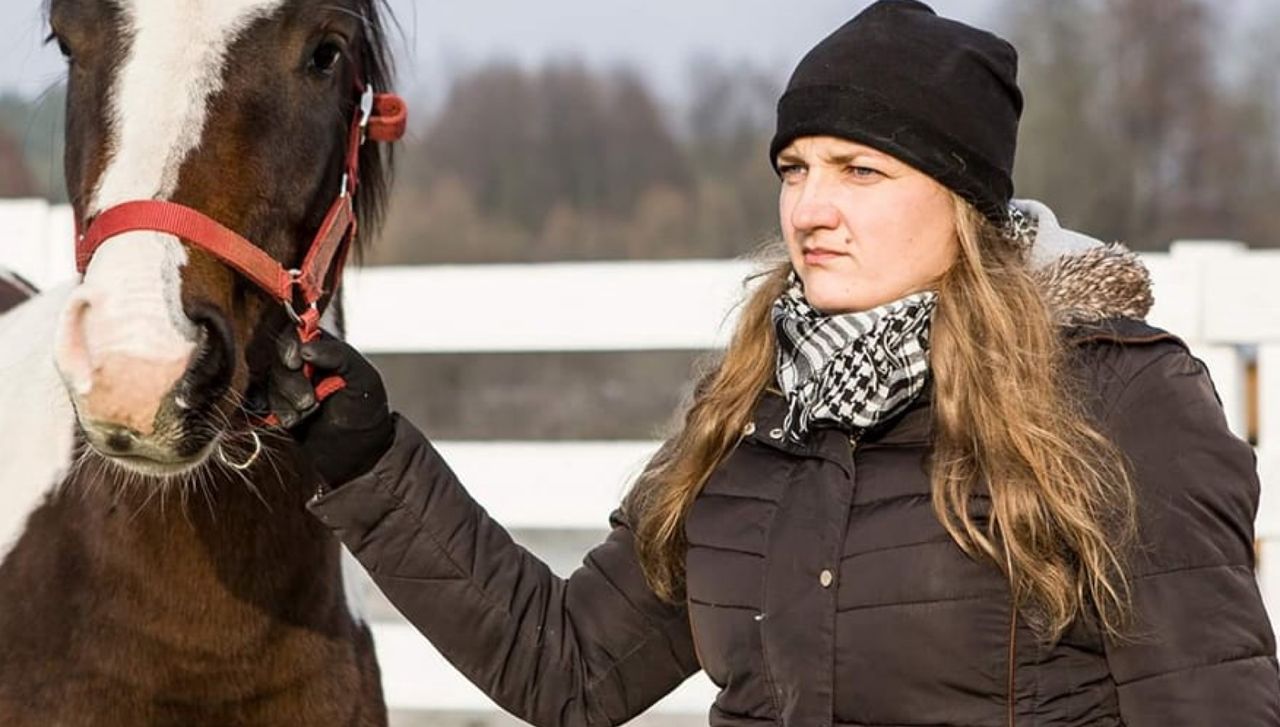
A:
{"x":852,"y":370}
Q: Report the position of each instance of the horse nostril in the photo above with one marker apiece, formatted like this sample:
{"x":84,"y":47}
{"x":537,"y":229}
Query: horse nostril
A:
{"x":213,"y":364}
{"x":73,"y":354}
{"x":119,"y":440}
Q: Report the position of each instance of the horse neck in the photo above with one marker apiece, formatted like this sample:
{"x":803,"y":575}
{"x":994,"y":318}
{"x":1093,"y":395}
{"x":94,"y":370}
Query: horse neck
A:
{"x":229,"y":556}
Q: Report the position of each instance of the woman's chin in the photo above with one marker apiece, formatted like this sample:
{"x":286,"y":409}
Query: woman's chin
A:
{"x":835,"y":300}
{"x":832,"y":294}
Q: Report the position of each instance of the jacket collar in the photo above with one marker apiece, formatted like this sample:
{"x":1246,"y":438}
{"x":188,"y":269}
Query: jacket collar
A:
{"x":911,"y":427}
{"x":1084,"y":280}
{"x":765,"y":428}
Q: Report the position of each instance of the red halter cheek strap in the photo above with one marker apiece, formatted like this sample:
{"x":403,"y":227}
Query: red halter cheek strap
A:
{"x":381,"y":117}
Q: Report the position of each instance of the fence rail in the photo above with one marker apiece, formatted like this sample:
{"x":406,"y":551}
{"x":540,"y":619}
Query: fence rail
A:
{"x":1221,"y":297}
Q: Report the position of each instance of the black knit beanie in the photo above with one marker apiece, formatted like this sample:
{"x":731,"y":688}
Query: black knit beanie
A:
{"x":932,"y":92}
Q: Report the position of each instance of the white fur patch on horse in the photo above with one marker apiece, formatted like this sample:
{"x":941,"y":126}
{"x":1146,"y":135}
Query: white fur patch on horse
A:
{"x":132,"y":304}
{"x":37,"y":424}
{"x":160,"y":98}
{"x":123,"y":340}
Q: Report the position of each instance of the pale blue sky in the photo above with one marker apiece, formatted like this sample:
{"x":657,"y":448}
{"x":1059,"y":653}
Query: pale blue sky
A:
{"x":659,"y":37}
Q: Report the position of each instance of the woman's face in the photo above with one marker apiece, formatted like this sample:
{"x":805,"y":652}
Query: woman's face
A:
{"x":862,"y":228}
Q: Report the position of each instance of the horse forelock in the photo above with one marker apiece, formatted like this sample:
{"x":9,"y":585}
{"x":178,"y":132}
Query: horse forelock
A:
{"x":376,"y":161}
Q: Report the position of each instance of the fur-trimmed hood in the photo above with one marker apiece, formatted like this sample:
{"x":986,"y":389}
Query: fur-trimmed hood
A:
{"x":1084,"y":280}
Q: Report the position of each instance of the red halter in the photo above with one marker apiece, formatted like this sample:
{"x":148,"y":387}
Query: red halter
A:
{"x":381,"y":117}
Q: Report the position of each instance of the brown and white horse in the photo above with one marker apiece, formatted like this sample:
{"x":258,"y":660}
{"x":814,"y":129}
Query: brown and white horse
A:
{"x":168,"y":573}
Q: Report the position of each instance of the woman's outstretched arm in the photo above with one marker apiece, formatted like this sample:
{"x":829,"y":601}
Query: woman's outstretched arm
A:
{"x":596,"y":648}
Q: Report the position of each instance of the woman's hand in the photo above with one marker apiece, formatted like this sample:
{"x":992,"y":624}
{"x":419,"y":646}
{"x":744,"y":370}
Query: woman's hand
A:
{"x":348,"y":432}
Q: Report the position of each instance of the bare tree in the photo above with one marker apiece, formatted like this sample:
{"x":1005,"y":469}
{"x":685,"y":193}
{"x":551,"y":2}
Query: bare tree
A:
{"x":525,"y":142}
{"x":1131,"y":129}
{"x":32,"y":161}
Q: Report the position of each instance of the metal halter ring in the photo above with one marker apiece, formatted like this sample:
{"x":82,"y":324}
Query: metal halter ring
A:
{"x":242,"y":466}
{"x":366,"y":111}
{"x":295,"y":278}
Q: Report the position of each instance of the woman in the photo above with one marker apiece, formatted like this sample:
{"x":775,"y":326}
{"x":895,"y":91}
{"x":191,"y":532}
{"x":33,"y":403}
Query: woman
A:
{"x":943,"y":474}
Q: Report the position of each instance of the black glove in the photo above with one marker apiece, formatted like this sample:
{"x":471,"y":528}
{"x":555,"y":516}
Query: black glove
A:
{"x":344,"y":435}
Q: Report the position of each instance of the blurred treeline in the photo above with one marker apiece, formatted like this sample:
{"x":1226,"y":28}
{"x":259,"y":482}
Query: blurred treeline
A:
{"x":568,"y":163}
{"x":1145,"y":122}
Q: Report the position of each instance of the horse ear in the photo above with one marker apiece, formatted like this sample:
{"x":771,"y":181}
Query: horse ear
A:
{"x":14,"y":289}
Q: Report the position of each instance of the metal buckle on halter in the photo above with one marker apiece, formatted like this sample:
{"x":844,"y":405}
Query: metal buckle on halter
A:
{"x":295,"y":281}
{"x":366,"y":111}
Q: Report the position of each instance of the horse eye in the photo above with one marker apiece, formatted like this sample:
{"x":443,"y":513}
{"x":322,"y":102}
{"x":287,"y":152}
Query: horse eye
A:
{"x":326,"y":57}
{"x":63,"y":48}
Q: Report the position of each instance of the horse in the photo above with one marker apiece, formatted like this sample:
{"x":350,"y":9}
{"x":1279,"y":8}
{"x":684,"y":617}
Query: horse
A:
{"x":166,"y":571}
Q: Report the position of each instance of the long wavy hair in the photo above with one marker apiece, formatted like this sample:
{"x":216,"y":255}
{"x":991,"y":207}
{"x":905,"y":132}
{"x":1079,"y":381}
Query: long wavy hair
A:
{"x":1007,"y":426}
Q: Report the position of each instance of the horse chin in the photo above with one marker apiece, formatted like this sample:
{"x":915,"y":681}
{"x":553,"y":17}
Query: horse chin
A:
{"x":152,"y":459}
{"x":157,"y":469}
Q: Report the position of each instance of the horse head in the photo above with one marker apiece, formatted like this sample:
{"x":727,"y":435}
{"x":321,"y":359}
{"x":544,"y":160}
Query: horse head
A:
{"x":242,"y":112}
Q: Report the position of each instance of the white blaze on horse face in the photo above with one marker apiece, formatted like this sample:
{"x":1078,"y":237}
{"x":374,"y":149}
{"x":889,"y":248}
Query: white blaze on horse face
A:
{"x":127,"y":319}
{"x":159,"y":102}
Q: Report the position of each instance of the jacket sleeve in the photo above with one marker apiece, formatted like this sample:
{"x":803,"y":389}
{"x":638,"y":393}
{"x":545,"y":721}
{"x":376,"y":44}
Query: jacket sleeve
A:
{"x":1202,"y":650}
{"x":595,"y":649}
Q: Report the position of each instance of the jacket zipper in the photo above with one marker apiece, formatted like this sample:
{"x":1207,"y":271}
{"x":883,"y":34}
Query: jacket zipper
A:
{"x":1013,"y":651}
{"x":1013,"y":639}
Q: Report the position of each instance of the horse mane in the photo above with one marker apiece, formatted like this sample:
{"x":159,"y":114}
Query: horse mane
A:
{"x":377,"y":161}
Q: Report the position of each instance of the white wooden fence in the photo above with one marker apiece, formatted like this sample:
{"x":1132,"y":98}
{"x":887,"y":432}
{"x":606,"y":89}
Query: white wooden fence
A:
{"x":1221,"y":297}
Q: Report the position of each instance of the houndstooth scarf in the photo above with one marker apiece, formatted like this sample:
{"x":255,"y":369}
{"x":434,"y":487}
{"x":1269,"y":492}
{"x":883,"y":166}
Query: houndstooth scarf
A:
{"x":852,"y":370}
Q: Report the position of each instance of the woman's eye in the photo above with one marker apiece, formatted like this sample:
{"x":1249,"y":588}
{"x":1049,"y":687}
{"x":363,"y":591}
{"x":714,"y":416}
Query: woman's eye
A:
{"x":325,"y":58}
{"x":790,"y":171}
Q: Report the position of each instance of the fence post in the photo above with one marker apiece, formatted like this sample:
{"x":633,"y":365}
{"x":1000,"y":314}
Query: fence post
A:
{"x":39,"y":240}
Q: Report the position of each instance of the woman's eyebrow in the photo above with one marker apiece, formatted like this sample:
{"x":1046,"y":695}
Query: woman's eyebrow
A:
{"x":847,"y":158}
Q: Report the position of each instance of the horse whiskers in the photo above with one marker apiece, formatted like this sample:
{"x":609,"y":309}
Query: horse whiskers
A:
{"x":273,"y":439}
{"x":242,"y":474}
{"x":78,"y":463}
{"x":271,"y":456}
{"x":133,"y":479}
{"x":201,"y":480}
{"x":232,"y":439}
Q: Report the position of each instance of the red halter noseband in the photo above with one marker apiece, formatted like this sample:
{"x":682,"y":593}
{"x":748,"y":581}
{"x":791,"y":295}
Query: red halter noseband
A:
{"x":379,"y":116}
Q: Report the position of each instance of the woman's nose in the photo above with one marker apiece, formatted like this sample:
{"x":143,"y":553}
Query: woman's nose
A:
{"x":815,"y":209}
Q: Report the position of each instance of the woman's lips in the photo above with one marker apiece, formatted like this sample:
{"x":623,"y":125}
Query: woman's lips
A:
{"x":819,"y":257}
